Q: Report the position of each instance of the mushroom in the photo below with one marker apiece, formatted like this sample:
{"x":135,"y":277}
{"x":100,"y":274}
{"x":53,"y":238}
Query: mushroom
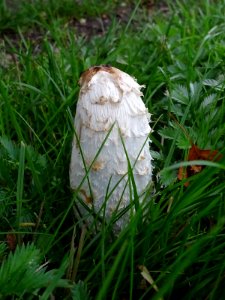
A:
{"x":111,"y":133}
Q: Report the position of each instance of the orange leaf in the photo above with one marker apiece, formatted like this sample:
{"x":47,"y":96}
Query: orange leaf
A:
{"x":193,"y":153}
{"x":196,"y":153}
{"x":210,"y":155}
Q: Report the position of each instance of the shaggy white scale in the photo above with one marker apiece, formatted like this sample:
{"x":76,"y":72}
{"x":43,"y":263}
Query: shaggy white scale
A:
{"x":109,"y":104}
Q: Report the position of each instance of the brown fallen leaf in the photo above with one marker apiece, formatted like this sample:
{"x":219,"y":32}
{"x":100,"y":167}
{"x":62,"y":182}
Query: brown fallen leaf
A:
{"x":196,"y":153}
{"x":11,"y":240}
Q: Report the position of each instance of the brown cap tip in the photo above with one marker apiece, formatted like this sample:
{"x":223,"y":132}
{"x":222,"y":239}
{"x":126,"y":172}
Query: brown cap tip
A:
{"x":89,"y":73}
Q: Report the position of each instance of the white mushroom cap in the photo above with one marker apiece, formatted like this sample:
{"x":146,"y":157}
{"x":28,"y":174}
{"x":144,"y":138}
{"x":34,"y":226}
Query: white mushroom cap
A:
{"x":110,"y":99}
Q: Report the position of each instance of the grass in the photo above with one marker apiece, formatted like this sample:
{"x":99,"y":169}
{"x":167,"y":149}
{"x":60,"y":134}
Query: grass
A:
{"x":179,"y":56}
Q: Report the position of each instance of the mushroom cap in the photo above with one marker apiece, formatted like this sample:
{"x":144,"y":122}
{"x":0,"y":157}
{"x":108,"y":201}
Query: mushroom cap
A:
{"x":110,"y":104}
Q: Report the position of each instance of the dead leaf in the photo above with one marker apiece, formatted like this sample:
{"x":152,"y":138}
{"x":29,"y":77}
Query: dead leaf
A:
{"x":196,"y":153}
{"x":147,"y":276}
{"x":11,"y":240}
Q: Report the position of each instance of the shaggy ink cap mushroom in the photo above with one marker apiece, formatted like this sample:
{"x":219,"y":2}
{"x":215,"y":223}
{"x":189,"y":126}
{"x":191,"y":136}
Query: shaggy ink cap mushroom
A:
{"x":110,"y":104}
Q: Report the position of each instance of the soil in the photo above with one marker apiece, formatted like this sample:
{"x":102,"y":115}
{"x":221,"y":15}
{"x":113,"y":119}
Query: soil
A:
{"x":86,"y":27}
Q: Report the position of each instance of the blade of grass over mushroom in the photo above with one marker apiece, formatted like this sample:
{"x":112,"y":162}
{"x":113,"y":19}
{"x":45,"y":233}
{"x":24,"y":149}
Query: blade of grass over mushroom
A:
{"x":76,"y":192}
{"x":117,"y":213}
{"x":131,"y":180}
{"x":88,"y":169}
